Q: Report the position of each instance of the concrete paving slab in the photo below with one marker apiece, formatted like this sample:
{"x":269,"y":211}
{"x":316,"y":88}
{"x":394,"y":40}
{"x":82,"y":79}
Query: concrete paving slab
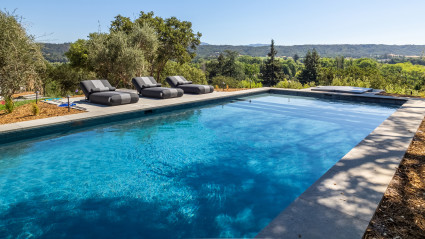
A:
{"x":388,"y":142}
{"x":9,"y":127}
{"x":365,"y":156}
{"x":351,"y":192}
{"x":303,"y":219}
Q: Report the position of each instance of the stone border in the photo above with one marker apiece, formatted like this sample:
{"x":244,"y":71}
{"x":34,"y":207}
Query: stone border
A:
{"x":338,"y":205}
{"x":342,"y":202}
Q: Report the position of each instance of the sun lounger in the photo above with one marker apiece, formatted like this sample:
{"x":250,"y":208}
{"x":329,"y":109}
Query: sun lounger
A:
{"x":148,"y":87}
{"x":101,"y":92}
{"x":187,"y":86}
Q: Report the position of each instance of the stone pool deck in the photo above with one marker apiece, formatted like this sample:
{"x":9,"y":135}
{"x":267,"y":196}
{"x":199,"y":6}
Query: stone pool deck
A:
{"x":339,"y":205}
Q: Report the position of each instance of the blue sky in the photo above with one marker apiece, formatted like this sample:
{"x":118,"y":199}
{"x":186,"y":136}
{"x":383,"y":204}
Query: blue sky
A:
{"x":237,"y":22}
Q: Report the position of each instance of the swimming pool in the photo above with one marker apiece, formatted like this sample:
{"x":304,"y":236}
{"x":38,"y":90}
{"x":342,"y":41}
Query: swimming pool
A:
{"x":224,"y":170}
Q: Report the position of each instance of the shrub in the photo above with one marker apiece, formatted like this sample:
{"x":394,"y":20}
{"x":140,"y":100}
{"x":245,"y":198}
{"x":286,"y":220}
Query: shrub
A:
{"x":9,"y":105}
{"x":289,"y":84}
{"x":35,"y":109}
{"x":310,"y":84}
{"x":228,"y":81}
{"x":247,"y":84}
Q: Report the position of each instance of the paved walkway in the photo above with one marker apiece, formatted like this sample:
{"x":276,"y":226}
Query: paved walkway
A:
{"x":342,"y":202}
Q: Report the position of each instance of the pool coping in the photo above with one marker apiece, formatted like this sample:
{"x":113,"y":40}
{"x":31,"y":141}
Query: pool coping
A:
{"x":338,"y":205}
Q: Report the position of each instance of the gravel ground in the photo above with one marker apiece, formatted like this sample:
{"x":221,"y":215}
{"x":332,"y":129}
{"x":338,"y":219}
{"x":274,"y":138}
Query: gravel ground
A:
{"x":24,"y":113}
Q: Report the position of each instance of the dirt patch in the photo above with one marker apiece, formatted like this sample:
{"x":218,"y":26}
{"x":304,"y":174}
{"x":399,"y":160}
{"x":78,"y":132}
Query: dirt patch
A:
{"x":401,"y":213}
{"x":24,"y":113}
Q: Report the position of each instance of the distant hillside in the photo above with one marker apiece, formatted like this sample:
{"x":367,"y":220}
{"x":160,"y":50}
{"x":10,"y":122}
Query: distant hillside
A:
{"x":258,"y":44}
{"x":55,"y":52}
{"x":356,"y":51}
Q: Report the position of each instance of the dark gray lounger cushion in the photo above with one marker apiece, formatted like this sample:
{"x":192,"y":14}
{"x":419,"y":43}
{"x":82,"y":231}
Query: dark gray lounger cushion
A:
{"x":175,"y":81}
{"x":148,"y":87}
{"x":101,"y":92}
{"x":187,"y":86}
{"x":90,"y":86}
{"x":162,"y":92}
{"x":144,"y":82}
{"x":113,"y":98}
{"x":196,"y":89}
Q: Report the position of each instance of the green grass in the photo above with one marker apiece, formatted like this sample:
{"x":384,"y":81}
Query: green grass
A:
{"x":18,"y":103}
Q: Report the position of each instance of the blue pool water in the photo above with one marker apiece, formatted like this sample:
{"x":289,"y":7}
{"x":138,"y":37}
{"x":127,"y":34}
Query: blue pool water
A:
{"x":217,"y":171}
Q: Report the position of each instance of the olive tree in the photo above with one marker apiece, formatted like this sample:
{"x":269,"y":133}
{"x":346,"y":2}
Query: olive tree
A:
{"x":117,"y":56}
{"x":20,"y":57}
{"x":144,"y":46}
{"x":177,"y":41}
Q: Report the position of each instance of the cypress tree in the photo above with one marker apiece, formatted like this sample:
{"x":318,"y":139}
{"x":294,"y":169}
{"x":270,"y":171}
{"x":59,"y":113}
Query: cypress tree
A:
{"x":339,"y":62}
{"x":271,"y":71}
{"x":311,"y":67}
